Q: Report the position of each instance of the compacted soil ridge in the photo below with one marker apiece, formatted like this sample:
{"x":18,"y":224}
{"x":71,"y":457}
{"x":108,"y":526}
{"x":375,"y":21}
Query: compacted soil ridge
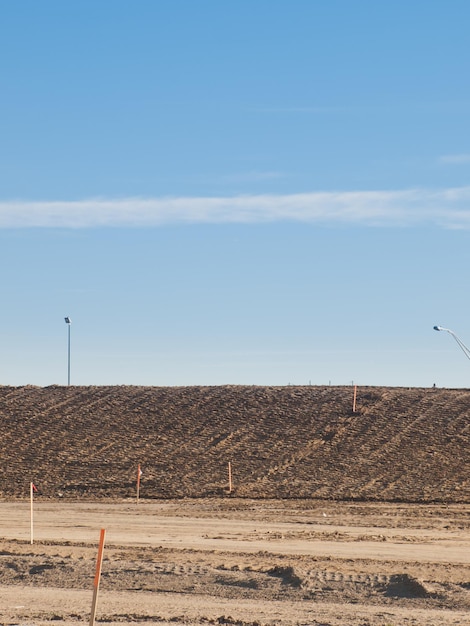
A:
{"x":393,"y":444}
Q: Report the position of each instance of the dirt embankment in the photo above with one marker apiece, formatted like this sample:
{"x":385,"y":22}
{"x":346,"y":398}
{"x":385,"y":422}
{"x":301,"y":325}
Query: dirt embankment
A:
{"x":282,"y":442}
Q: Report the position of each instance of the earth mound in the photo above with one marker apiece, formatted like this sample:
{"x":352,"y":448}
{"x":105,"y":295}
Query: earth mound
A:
{"x":387,"y":444}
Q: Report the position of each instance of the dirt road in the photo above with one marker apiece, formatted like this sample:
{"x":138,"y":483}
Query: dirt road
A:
{"x":232,"y":561}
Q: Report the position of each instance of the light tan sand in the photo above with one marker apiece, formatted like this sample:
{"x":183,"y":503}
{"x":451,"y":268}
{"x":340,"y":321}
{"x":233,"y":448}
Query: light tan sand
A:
{"x":237,"y":562}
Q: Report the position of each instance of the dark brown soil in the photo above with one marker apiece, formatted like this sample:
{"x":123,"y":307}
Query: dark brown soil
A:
{"x":400,"y":444}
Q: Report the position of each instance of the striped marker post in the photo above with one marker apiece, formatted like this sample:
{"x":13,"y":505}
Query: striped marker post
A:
{"x":96,"y":582}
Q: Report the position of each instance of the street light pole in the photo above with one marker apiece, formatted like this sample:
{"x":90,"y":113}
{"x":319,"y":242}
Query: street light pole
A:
{"x":461,"y":344}
{"x":68,"y":321}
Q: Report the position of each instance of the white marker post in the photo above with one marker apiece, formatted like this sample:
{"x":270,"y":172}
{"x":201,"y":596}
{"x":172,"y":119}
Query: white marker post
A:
{"x":96,"y":583}
{"x":32,"y":489}
{"x":354,"y":399}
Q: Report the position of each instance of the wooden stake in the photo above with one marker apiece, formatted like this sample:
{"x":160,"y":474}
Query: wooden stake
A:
{"x":139,"y":474}
{"x":354,"y":399}
{"x":229,"y":477}
{"x":96,"y":582}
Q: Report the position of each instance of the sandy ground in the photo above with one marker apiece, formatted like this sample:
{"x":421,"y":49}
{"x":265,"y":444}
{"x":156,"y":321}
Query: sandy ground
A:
{"x":231,"y":561}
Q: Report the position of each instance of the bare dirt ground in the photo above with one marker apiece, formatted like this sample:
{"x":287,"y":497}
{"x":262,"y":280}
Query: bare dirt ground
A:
{"x":236,"y":561}
{"x":399,"y":445}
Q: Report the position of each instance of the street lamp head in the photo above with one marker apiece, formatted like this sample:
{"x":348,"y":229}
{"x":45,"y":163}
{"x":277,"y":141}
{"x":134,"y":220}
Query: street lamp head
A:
{"x":68,"y":320}
{"x":447,"y":330}
{"x":462,"y":346}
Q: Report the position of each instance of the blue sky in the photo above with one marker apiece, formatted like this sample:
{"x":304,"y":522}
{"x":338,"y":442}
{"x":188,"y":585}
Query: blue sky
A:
{"x":250,"y":192}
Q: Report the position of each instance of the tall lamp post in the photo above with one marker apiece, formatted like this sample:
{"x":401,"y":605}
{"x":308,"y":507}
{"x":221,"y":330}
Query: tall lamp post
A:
{"x":462,"y":346}
{"x":68,"y":321}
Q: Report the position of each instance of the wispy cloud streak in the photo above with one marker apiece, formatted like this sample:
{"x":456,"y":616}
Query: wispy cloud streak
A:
{"x":447,"y":208}
{"x":455,"y":159}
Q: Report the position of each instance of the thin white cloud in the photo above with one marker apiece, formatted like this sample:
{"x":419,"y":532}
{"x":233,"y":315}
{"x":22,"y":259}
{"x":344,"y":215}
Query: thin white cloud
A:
{"x":252,"y":176}
{"x":456,"y":159}
{"x":305,"y":109}
{"x":448,"y":208}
